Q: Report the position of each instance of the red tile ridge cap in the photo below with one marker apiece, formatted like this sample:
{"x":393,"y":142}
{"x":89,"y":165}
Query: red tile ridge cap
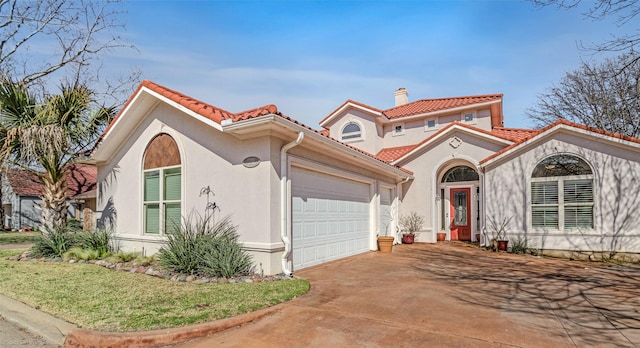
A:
{"x":268,"y":109}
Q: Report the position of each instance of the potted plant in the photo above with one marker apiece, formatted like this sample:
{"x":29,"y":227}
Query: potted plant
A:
{"x":385,"y":242}
{"x":410,"y":223}
{"x":441,"y":236}
{"x":499,"y":230}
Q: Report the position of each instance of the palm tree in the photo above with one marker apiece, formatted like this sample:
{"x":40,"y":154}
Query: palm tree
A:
{"x":45,"y":135}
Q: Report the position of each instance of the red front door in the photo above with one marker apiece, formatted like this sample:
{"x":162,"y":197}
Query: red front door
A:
{"x":461,"y":214}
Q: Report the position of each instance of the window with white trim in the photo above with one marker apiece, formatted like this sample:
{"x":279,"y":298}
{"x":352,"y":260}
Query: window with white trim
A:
{"x":430,"y":124}
{"x":162,"y":186}
{"x":398,"y":129}
{"x":562,"y":193}
{"x":351,"y":131}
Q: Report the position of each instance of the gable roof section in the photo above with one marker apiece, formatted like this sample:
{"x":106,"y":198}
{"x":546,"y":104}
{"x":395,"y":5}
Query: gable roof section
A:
{"x":350,"y":104}
{"x":80,"y":179}
{"x":420,"y":107}
{"x":560,"y":124}
{"x":410,"y":150}
{"x":221,"y":117}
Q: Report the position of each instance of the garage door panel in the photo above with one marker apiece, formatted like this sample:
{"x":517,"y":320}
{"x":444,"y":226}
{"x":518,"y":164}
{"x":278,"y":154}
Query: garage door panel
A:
{"x":330,"y":217}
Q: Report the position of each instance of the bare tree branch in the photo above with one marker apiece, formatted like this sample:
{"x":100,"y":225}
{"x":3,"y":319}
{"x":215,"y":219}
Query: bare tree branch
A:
{"x":606,"y":96}
{"x":40,"y":38}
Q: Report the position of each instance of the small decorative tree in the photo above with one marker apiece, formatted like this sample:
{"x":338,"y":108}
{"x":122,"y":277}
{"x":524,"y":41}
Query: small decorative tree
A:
{"x":410,"y":223}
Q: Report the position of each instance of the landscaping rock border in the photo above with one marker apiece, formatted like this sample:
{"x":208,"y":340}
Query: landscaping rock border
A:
{"x":155,"y":271}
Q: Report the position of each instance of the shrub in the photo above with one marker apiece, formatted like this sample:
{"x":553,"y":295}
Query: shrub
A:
{"x":520,"y":246}
{"x":54,"y":243}
{"x":412,"y":222}
{"x":224,"y":257}
{"x":206,"y":248}
{"x":99,"y":240}
{"x":77,"y":253}
{"x":122,"y":256}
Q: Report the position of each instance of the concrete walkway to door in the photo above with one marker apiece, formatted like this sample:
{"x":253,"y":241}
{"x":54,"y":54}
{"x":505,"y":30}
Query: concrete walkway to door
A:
{"x":451,"y":294}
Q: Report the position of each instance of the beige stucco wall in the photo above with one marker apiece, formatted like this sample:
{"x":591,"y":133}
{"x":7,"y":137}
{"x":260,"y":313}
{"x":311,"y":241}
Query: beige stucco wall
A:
{"x":209,"y":158}
{"x":251,"y":196}
{"x":371,"y":140}
{"x":420,"y":194}
{"x":616,"y":194}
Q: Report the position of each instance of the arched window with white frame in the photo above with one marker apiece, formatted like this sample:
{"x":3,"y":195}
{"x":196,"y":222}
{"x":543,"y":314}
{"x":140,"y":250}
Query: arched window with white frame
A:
{"x":162,"y":185}
{"x":562,"y":193}
{"x":351,"y":131}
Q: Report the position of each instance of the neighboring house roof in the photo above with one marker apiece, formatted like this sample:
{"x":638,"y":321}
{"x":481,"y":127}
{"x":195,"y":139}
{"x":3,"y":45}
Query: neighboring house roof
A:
{"x":80,"y":179}
{"x":24,"y":183}
{"x":420,"y":107}
{"x":552,"y":127}
{"x":220,"y":116}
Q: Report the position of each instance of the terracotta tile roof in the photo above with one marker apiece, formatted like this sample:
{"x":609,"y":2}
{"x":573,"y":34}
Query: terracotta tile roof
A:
{"x":430,"y":105}
{"x":217,"y":115}
{"x":324,"y":132}
{"x":80,"y":179}
{"x":566,"y":123}
{"x":392,"y":153}
{"x":514,"y":134}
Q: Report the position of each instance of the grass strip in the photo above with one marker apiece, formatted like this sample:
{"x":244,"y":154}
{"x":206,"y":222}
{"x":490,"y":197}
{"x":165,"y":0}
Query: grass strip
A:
{"x":18,"y":237}
{"x":97,"y":298}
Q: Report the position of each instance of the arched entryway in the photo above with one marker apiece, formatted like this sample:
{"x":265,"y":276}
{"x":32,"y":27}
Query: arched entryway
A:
{"x":459,"y":186}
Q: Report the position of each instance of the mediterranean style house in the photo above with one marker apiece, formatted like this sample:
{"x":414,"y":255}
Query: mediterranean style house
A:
{"x":302,"y":196}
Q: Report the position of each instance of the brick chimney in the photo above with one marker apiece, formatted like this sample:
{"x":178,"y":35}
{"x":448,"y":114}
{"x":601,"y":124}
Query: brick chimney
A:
{"x":402,"y":96}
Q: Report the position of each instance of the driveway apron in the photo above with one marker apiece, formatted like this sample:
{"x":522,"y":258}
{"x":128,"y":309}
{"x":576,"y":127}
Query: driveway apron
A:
{"x":452,"y":294}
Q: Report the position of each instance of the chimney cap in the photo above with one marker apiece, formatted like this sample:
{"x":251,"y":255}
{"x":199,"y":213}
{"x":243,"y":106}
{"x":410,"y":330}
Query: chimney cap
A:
{"x":402,"y":96}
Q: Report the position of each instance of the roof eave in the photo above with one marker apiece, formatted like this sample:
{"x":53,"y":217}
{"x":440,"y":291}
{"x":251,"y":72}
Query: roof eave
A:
{"x":256,"y":125}
{"x":443,"y":111}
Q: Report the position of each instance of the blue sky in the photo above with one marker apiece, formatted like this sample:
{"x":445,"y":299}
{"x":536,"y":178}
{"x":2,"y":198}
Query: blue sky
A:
{"x":308,"y":57}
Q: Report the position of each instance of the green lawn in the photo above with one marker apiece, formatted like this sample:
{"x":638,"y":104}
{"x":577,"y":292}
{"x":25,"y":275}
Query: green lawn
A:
{"x":94,"y":297}
{"x":18,"y":237}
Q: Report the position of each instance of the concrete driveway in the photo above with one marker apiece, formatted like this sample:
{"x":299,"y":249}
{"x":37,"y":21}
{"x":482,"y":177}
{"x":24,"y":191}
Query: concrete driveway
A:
{"x":451,"y":294}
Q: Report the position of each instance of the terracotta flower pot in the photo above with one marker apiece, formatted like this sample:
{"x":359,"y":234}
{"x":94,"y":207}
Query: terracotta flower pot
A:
{"x":502,"y":245}
{"x":408,"y":238}
{"x":478,"y":237}
{"x":441,"y":236}
{"x":385,"y":243}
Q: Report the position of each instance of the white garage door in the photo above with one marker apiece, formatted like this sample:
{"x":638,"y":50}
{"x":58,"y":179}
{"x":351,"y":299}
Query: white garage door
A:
{"x":330,"y":217}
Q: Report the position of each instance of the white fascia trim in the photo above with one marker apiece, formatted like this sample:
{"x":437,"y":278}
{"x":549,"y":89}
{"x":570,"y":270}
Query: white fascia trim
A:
{"x":120,"y":118}
{"x":315,"y":136}
{"x":444,"y":111}
{"x":445,"y":133}
{"x":183,"y":109}
{"x":350,"y":105}
{"x":556,"y":129}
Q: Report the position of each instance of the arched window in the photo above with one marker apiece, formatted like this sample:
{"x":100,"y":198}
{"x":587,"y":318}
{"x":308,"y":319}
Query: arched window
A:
{"x":562,"y":193}
{"x":351,"y":131}
{"x":162,"y":175}
{"x":460,"y":173}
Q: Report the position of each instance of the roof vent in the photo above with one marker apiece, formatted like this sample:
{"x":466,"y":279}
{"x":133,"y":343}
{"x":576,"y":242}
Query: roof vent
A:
{"x":402,"y":96}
